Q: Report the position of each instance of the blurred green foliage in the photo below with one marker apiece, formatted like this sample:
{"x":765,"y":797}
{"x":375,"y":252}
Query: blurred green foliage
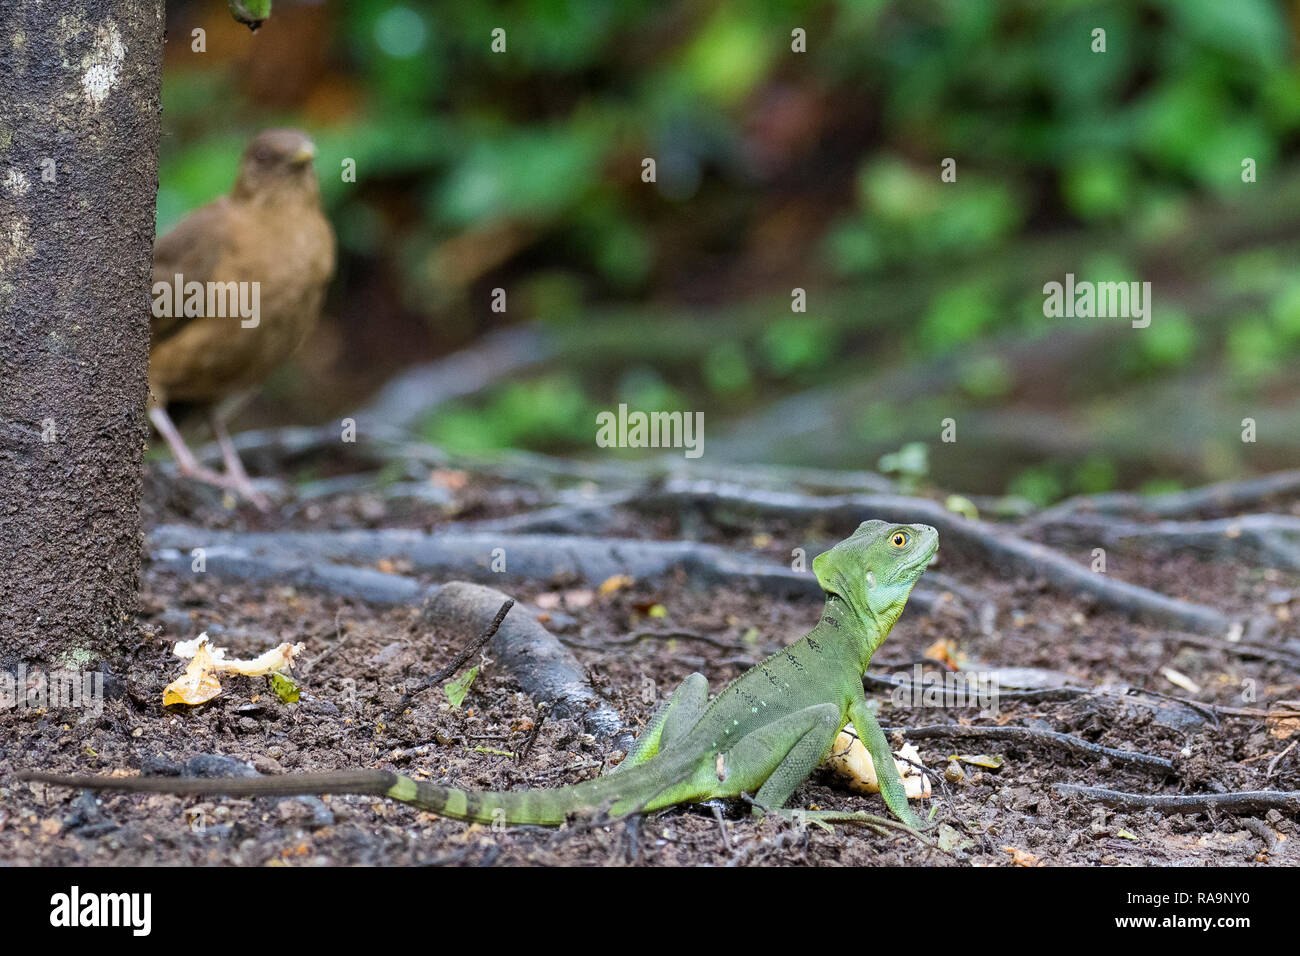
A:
{"x":1053,"y":143}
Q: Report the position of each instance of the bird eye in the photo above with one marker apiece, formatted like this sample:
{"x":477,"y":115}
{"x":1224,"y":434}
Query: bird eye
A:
{"x":899,"y":539}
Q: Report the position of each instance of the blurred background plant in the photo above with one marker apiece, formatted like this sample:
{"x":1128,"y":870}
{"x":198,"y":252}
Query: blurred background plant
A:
{"x":780,"y":170}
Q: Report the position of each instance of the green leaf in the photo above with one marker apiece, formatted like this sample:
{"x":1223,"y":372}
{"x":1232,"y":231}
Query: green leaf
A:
{"x":963,"y":506}
{"x":491,"y":750}
{"x":988,"y":761}
{"x":286,"y":688}
{"x":250,"y":12}
{"x":458,"y":688}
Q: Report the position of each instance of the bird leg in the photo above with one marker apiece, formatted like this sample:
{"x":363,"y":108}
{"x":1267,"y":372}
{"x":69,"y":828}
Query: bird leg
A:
{"x":235,"y":479}
{"x":235,"y":473}
{"x":185,"y":460}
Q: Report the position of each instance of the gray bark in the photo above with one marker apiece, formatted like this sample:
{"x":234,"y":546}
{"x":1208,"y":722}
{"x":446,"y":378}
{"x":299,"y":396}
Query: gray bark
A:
{"x":79,"y":128}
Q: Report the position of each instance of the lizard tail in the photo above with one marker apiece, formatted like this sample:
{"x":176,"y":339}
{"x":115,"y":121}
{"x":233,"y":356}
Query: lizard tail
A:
{"x":545,"y":807}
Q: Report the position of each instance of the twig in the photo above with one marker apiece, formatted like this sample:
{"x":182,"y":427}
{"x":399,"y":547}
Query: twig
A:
{"x":1032,"y":735}
{"x":543,"y":711}
{"x":722,"y":824}
{"x":1238,"y":649}
{"x":460,"y":660}
{"x":1276,"y":760}
{"x":881,"y":682}
{"x":635,"y":637}
{"x":1244,"y":801}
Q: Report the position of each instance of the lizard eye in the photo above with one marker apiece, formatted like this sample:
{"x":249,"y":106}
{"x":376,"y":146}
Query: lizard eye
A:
{"x":899,"y":539}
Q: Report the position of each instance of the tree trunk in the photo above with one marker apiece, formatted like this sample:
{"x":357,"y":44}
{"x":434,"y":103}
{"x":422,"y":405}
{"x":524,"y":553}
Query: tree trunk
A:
{"x":79,"y":126}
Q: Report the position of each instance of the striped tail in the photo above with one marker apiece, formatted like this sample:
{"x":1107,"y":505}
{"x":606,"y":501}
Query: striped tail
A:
{"x":632,"y":791}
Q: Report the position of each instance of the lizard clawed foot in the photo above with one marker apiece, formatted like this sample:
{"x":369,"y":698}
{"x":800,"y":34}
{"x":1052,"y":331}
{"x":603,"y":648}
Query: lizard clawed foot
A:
{"x":824,"y":818}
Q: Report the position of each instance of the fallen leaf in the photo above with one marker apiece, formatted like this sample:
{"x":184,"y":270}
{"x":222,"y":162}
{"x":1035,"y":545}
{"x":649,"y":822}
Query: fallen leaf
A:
{"x":1180,"y":680}
{"x":276,"y":659}
{"x":942,"y":651}
{"x":578,"y":597}
{"x":452,"y":480}
{"x":988,"y":761}
{"x":1282,"y":728}
{"x":458,"y":688}
{"x":615,"y":583}
{"x":1021,"y":857}
{"x":963,"y":506}
{"x":199,"y":683}
{"x":951,"y":839}
{"x":286,"y":688}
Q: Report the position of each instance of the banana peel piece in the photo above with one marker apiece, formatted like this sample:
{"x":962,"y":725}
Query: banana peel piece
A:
{"x":850,"y":760}
{"x":201,"y":682}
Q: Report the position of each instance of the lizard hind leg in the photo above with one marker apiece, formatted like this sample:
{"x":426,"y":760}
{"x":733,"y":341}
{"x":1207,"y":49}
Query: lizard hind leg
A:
{"x":671,"y":721}
{"x":783,"y":754}
{"x":690,"y":700}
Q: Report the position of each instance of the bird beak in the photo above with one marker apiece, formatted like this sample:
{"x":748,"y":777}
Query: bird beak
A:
{"x":305,"y":153}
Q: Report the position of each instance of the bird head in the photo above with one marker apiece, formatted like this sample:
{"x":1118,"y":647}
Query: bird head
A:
{"x":276,"y":162}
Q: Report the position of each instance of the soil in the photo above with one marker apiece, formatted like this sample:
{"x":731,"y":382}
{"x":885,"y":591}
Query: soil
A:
{"x":359,"y":660}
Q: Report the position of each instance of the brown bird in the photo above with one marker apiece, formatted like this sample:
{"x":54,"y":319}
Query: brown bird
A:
{"x":238,"y":286}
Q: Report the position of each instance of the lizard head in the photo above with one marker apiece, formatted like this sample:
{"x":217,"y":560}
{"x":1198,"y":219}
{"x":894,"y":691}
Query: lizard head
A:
{"x":874,"y":569}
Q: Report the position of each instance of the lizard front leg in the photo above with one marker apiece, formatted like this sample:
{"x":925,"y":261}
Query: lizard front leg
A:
{"x":873,"y":738}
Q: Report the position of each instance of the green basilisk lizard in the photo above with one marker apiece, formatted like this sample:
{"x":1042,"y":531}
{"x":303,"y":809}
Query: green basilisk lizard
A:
{"x":761,"y":736}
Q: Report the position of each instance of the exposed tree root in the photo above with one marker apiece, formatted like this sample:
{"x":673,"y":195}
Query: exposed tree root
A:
{"x":1270,"y":539}
{"x":1244,"y":801}
{"x":462,"y":657}
{"x":999,"y":547}
{"x":1222,"y":496}
{"x":271,"y":450}
{"x":238,"y":563}
{"x":1033,"y":736}
{"x":1244,"y":649}
{"x":544,"y":667}
{"x":416,"y":392}
{"x":524,"y":558}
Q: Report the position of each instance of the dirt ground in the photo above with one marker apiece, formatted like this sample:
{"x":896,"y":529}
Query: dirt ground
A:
{"x":360,"y":658}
